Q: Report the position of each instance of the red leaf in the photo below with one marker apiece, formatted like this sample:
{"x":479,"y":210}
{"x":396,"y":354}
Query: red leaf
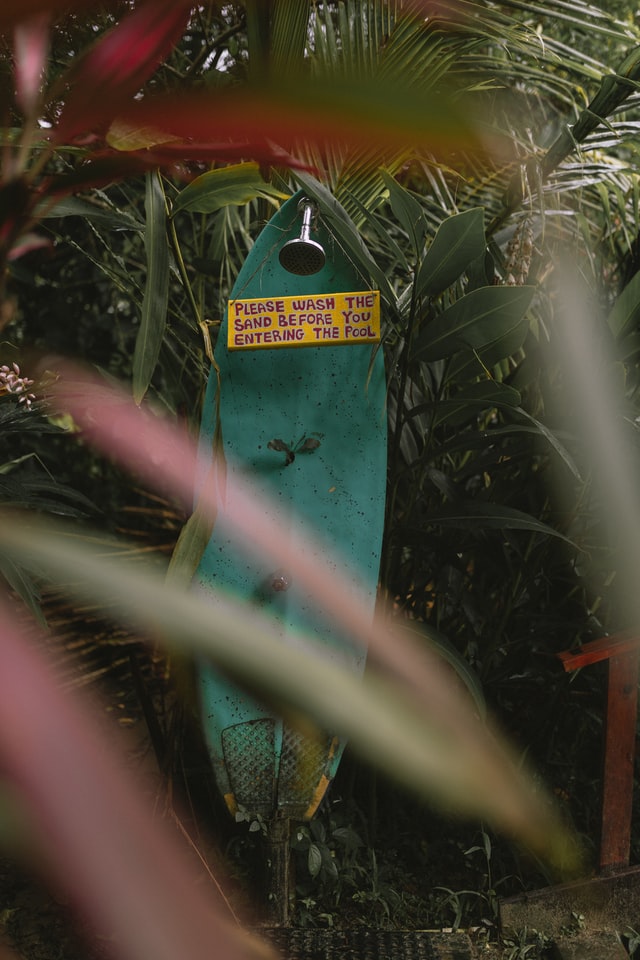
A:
{"x":261,"y":150}
{"x":110,"y":166}
{"x":118,"y":65}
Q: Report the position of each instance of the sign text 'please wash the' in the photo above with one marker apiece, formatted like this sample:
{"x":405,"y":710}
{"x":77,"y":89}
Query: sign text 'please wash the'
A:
{"x":327,"y":319}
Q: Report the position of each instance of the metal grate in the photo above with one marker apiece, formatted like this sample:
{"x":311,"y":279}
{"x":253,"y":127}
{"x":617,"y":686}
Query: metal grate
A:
{"x":365,"y":944}
{"x":248,"y":755}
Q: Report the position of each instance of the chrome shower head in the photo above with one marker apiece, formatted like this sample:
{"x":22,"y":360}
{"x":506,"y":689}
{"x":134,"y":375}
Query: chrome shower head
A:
{"x":303,"y":255}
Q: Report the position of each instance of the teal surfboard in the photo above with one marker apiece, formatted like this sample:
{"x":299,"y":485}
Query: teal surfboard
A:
{"x":302,"y":413}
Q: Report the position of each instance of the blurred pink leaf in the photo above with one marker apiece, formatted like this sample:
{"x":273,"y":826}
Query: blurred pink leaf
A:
{"x":101,"y":843}
{"x":30,"y":49}
{"x":26,"y":244}
{"x":119,"y":64}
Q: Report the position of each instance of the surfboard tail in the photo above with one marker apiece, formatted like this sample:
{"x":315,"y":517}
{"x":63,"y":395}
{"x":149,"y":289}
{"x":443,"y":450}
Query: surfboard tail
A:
{"x":270,"y":769}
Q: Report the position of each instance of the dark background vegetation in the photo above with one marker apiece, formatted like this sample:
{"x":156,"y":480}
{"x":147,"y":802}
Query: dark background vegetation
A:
{"x":502,"y":598}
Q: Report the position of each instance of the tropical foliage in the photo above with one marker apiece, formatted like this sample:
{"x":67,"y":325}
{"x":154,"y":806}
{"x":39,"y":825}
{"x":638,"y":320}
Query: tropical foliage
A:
{"x":459,"y":153}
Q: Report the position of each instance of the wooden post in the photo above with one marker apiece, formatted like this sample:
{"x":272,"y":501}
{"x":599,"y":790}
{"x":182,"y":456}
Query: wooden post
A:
{"x":622,"y":652}
{"x":619,"y":754}
{"x":278,"y":885}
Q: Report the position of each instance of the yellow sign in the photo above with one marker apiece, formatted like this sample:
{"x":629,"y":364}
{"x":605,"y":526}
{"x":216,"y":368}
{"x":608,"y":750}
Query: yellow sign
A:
{"x":328,"y":319}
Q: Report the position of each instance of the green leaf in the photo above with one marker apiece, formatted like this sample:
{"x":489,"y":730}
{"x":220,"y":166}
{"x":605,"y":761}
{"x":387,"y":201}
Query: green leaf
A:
{"x":20,"y":581}
{"x":477,"y":440}
{"x":474,"y":321}
{"x":490,"y":392}
{"x":196,"y":532}
{"x":469,"y":401}
{"x":506,"y":398}
{"x":77,"y":207}
{"x":626,"y":310}
{"x":553,"y":441}
{"x":628,"y":347}
{"x":328,"y":863}
{"x":318,"y":831}
{"x":289,"y":36}
{"x":125,"y":136}
{"x":467,"y":365}
{"x":459,"y":241}
{"x":189,"y":547}
{"x":156,"y":292}
{"x":492,"y":516}
{"x":10,"y":465}
{"x":314,"y":860}
{"x":407,"y":211}
{"x":234,"y":185}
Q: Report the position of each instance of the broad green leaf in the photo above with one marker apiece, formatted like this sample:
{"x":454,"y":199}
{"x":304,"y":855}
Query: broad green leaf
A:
{"x":236,"y":184}
{"x":126,"y":136}
{"x":156,"y":292}
{"x":626,"y":310}
{"x":475,"y":320}
{"x":469,"y":401}
{"x":328,"y":862}
{"x":407,"y":211}
{"x":459,"y":241}
{"x":318,"y":831}
{"x":488,"y":516}
{"x":553,"y":441}
{"x":629,"y":346}
{"x":467,"y":365}
{"x":478,"y":440}
{"x":314,"y":860}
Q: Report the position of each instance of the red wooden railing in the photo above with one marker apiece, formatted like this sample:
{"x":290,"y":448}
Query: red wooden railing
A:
{"x":622,"y":651}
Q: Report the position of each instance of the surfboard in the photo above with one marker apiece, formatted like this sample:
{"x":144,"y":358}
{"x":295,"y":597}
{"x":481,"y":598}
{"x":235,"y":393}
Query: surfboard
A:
{"x":302,"y":412}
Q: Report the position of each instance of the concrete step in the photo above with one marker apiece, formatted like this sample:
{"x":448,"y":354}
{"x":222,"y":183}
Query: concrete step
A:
{"x":610,"y":902}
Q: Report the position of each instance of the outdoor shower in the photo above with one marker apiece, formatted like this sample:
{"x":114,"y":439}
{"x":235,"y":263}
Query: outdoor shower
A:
{"x":303,"y":255}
